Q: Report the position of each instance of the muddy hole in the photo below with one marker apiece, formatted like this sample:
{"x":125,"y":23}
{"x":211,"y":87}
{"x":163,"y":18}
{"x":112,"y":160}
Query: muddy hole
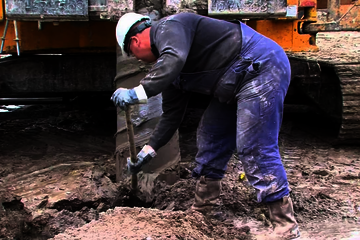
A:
{"x":128,"y":197}
{"x":133,"y":200}
{"x":15,"y":205}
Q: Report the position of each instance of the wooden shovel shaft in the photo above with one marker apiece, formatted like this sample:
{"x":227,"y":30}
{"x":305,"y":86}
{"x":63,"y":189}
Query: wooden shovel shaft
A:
{"x":132,"y":147}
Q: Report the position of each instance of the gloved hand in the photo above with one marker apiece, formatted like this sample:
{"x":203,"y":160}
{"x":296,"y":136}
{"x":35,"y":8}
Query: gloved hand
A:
{"x":144,"y":156}
{"x":123,"y":97}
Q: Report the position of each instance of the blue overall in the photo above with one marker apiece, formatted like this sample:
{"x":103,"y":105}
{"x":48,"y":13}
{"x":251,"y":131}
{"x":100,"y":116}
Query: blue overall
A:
{"x":246,"y":115}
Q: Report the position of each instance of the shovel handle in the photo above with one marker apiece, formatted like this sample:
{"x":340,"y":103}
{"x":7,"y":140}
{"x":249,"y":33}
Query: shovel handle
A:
{"x":132,"y":146}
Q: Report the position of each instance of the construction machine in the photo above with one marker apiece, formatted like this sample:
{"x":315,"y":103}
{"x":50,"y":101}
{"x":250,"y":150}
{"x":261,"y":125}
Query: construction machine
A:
{"x":67,"y":48}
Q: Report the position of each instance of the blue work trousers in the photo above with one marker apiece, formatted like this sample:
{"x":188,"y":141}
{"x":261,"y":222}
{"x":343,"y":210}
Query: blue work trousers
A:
{"x":250,"y":124}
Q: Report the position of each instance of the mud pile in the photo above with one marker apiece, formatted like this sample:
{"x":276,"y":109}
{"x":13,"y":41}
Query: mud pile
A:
{"x":141,"y":223}
{"x":335,"y":48}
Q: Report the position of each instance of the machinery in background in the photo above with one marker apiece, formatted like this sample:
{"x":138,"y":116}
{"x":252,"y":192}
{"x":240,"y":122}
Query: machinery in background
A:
{"x":67,"y":48}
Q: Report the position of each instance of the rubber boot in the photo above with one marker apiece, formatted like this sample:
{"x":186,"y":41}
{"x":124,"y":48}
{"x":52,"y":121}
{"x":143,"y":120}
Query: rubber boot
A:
{"x":207,"y":198}
{"x":283,"y":219}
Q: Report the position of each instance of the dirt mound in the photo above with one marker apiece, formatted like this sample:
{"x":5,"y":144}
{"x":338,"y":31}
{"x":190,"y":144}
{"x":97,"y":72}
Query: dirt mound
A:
{"x":335,"y":48}
{"x":143,"y":223}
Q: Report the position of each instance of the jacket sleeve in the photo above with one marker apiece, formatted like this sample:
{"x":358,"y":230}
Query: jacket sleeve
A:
{"x":174,"y":106}
{"x":173,"y":41}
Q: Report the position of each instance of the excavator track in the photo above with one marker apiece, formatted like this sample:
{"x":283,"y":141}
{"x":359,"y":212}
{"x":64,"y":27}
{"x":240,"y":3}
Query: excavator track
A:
{"x":331,"y":77}
{"x":349,"y":76}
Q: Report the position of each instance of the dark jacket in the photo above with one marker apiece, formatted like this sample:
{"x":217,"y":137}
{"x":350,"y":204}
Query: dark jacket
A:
{"x":185,"y":44}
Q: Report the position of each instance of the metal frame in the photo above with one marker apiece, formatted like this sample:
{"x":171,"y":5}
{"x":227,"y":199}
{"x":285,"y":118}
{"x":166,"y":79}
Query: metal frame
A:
{"x":339,"y":18}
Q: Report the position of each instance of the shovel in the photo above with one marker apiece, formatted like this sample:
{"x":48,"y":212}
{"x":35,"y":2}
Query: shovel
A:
{"x":132,"y":146}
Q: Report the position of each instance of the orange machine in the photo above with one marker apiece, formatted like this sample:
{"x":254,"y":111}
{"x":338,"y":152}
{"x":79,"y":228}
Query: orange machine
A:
{"x":33,"y":32}
{"x":66,"y":48}
{"x":41,"y":27}
{"x":36,"y":29}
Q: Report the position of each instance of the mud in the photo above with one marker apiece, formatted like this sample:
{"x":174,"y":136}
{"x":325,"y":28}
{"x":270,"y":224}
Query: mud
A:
{"x":57,"y":180}
{"x":335,"y":48}
{"x":58,"y":174}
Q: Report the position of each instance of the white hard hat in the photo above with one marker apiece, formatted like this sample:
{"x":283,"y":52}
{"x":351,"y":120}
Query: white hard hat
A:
{"x":124,"y":25}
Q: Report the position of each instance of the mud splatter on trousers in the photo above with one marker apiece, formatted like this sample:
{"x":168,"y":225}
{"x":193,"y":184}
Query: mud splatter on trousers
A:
{"x":250,"y":124}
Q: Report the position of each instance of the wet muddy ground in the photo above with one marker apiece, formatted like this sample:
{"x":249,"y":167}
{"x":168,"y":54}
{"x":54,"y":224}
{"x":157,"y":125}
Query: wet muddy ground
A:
{"x":58,"y":173}
{"x":57,"y":180}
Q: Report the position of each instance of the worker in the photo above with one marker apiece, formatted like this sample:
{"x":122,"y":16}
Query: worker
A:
{"x":247,"y":76}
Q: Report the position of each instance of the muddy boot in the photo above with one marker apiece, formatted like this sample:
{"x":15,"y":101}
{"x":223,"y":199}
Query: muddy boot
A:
{"x":283,"y":220}
{"x":207,"y":198}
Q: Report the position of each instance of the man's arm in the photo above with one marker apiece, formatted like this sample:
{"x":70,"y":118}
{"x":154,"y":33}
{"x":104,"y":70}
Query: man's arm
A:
{"x":173,"y":41}
{"x":174,"y":106}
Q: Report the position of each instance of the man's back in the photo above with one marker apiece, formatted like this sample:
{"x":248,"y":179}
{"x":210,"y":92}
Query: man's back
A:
{"x":213,"y":43}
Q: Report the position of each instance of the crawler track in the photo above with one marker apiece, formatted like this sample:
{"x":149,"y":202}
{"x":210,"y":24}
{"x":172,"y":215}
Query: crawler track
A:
{"x":332,"y":78}
{"x":349,"y":76}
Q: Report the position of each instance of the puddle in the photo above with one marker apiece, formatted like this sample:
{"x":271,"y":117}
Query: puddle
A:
{"x":9,"y":108}
{"x":5,"y":55}
{"x":320,"y":231}
{"x":331,"y":230}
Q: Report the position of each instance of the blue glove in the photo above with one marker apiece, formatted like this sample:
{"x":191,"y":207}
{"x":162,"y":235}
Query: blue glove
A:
{"x":144,"y":156}
{"x":123,"y":97}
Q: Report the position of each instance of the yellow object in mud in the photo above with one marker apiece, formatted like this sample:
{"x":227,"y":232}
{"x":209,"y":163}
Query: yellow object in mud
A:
{"x":242,"y":177}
